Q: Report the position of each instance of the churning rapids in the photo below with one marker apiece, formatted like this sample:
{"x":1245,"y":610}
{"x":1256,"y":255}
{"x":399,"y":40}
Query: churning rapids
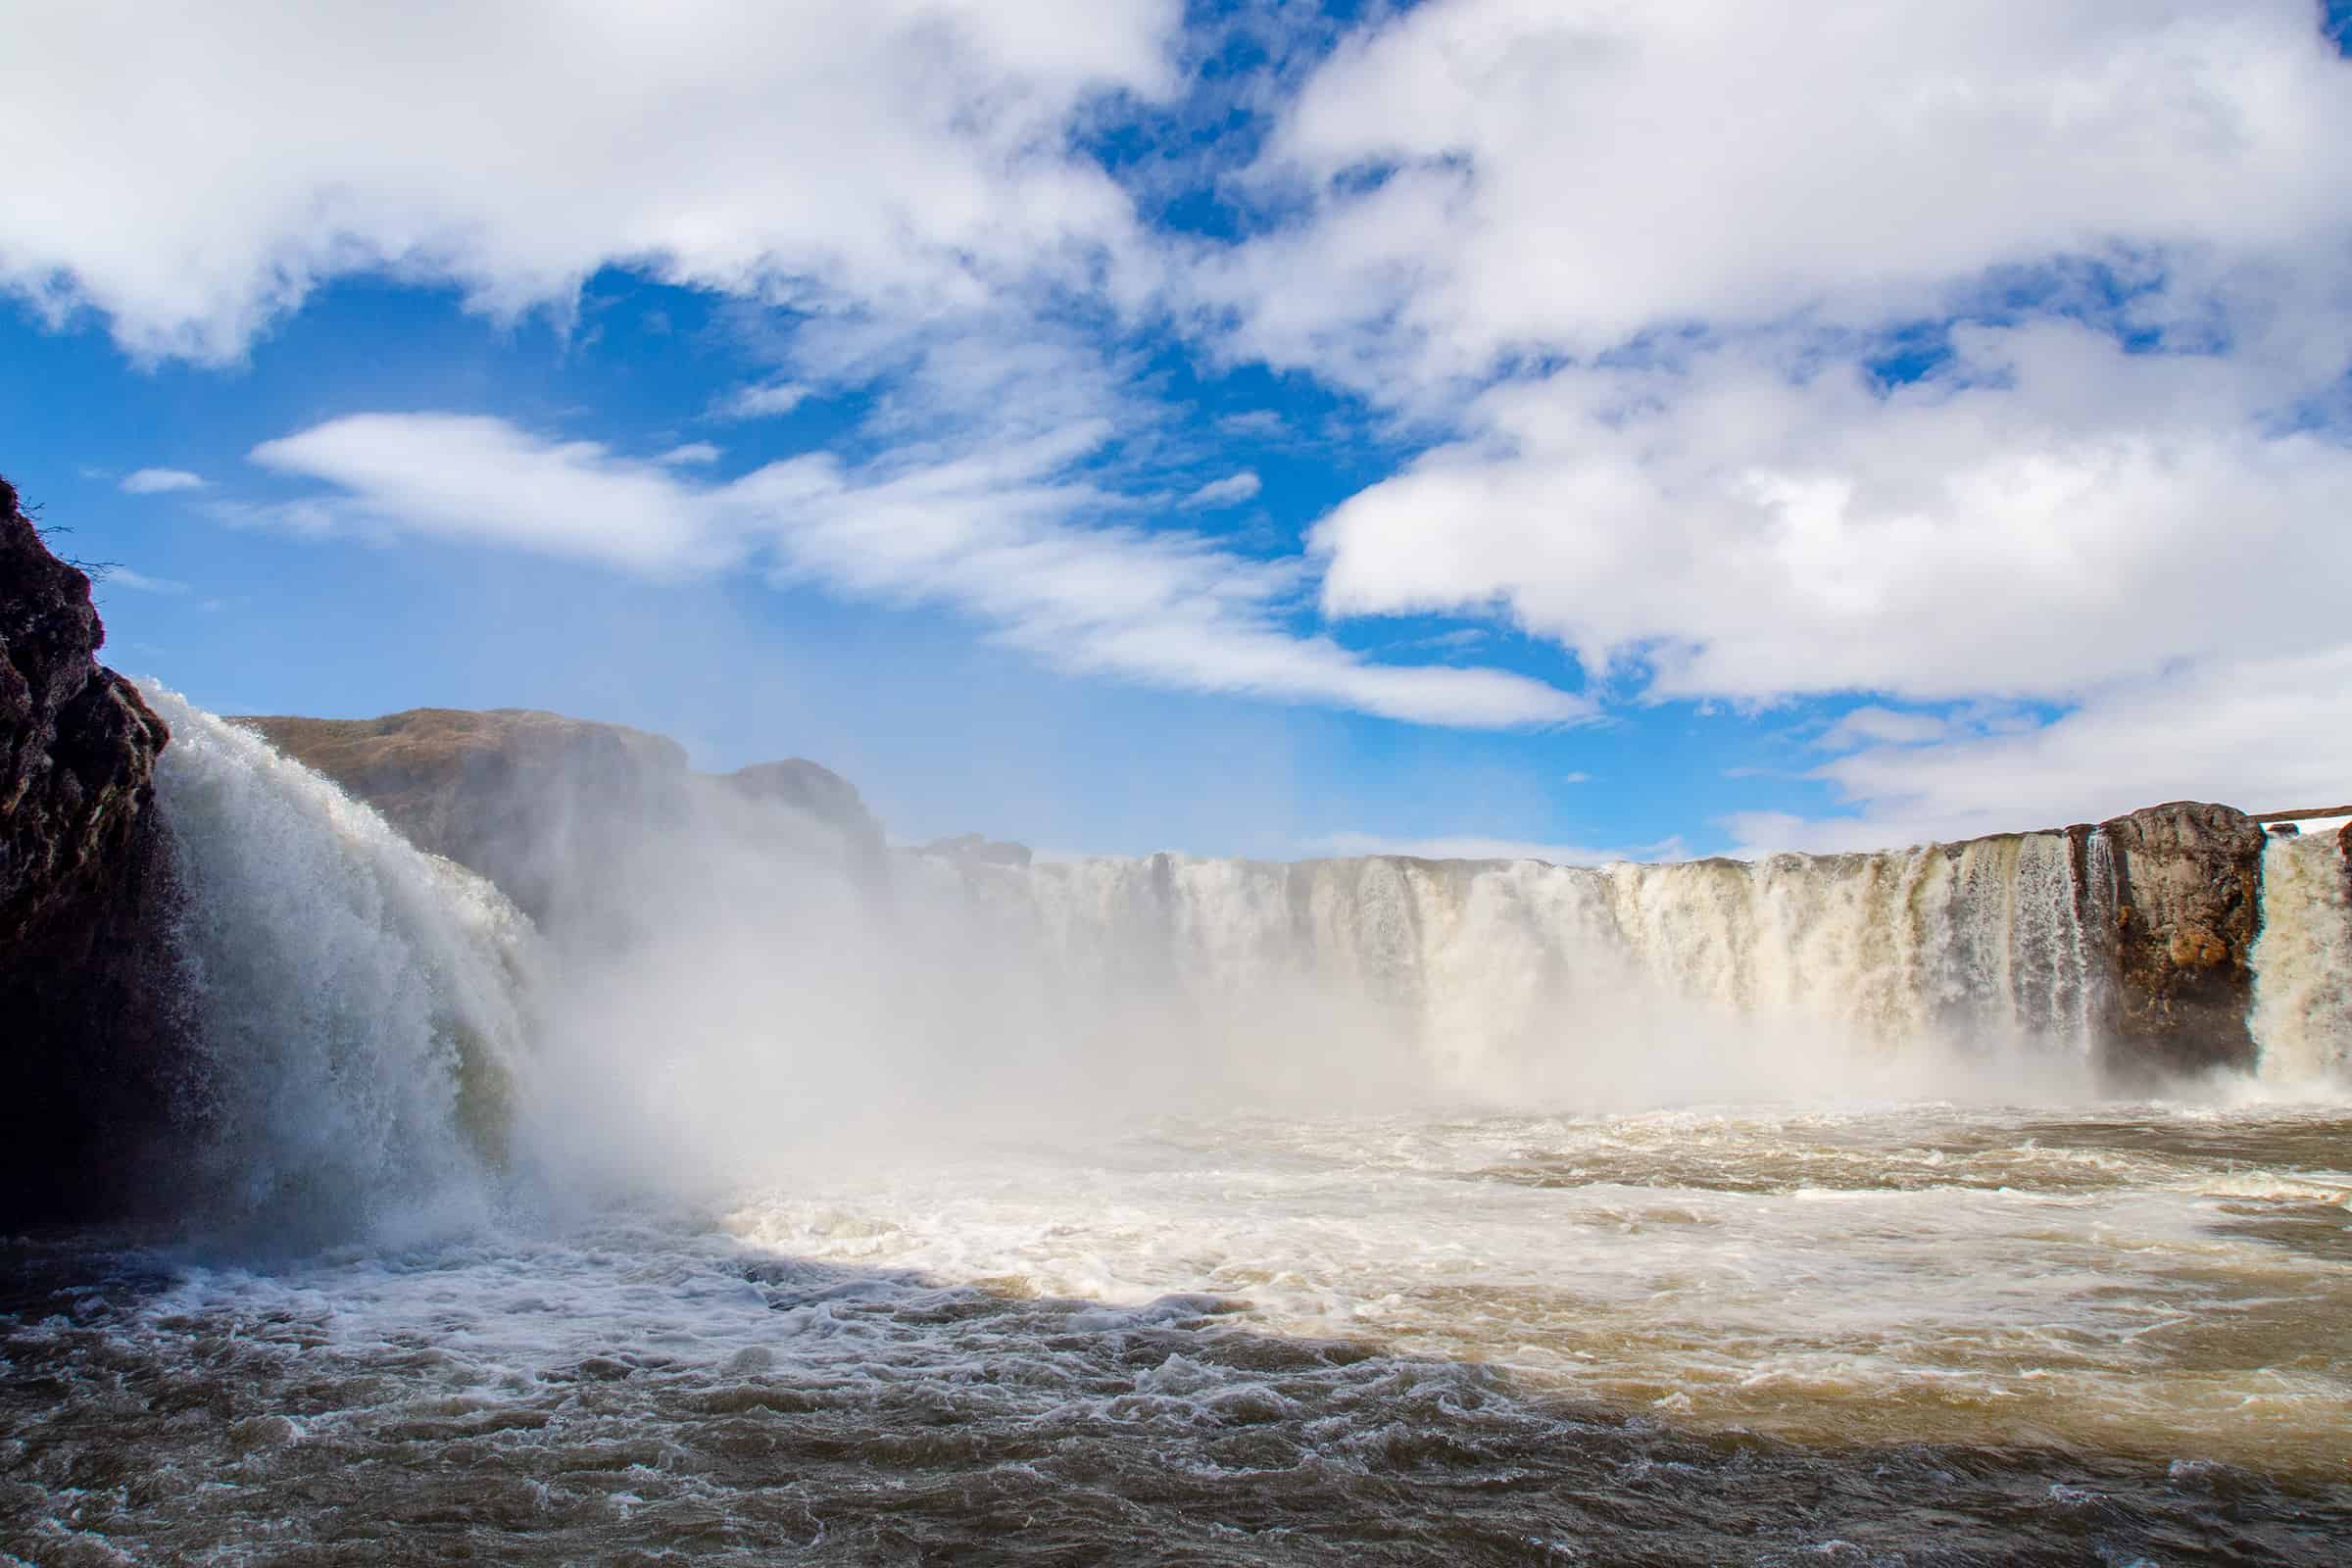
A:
{"x":1195,"y":1211}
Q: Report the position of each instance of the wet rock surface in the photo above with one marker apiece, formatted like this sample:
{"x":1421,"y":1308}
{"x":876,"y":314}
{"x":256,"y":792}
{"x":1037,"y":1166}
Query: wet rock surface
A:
{"x":88,"y":1059}
{"x":2188,"y":901}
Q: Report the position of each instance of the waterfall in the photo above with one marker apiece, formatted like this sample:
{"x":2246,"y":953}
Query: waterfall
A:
{"x":1487,"y":969}
{"x":367,"y":1016}
{"x":358,"y":1005}
{"x":1995,"y":947}
{"x":2302,"y":1017}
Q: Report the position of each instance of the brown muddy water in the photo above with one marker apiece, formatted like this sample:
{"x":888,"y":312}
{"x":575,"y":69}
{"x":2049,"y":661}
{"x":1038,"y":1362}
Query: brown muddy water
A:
{"x":1918,"y":1335}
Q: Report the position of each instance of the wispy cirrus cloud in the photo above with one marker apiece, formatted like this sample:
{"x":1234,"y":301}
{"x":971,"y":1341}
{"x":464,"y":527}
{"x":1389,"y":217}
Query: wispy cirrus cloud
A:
{"x":2262,"y":733}
{"x":1475,"y":846}
{"x":1875,"y":725}
{"x":160,"y":481}
{"x":764,"y":400}
{"x":1228,"y":491}
{"x":140,"y":582}
{"x":478,"y":478}
{"x":1014,"y":536}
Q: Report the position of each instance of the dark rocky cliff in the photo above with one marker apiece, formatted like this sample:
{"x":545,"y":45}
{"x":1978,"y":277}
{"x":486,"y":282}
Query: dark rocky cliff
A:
{"x":87,"y":1054}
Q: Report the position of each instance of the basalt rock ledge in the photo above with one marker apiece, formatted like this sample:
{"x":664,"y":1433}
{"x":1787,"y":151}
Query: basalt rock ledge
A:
{"x":88,"y":1050}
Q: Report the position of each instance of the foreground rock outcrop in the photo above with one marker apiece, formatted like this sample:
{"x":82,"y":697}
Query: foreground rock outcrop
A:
{"x":568,"y":816}
{"x":87,"y":1051}
{"x":2187,"y":902}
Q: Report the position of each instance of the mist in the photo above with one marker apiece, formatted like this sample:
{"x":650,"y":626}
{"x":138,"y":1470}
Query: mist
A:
{"x":713,"y":988}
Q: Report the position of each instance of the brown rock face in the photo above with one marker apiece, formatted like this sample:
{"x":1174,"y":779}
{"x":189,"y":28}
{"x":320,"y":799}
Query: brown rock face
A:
{"x":2187,"y":903}
{"x":819,"y":792}
{"x":86,"y":1049}
{"x":515,"y":794}
{"x":566,"y":815}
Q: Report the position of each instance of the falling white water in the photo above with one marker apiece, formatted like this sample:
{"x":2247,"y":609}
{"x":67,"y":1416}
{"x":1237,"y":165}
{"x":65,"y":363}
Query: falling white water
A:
{"x":2302,"y":1019}
{"x":1504,"y":976}
{"x":363,"y":1007}
{"x":358,"y":1003}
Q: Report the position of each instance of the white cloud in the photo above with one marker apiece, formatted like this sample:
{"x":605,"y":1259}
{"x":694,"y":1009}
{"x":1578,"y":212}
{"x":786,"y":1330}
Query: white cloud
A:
{"x":910,"y":153}
{"x":1006,"y":535}
{"x":140,"y":582}
{"x":2265,"y":734}
{"x":1579,"y":777}
{"x":158,"y":481}
{"x":2049,"y":514}
{"x":760,"y":401}
{"x":695,"y":452}
{"x":1254,"y":424}
{"x":1682,"y":233}
{"x":1472,"y":847}
{"x":1882,"y":725}
{"x":1489,"y":175}
{"x":1225,"y":492}
{"x":472,"y":477}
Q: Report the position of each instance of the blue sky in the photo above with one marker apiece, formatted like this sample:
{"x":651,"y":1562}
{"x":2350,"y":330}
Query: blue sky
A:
{"x":1469,"y":426}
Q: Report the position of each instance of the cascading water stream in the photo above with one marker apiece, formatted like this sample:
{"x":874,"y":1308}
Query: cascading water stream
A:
{"x":2303,"y":964}
{"x":1500,"y":976}
{"x":360,"y":1006}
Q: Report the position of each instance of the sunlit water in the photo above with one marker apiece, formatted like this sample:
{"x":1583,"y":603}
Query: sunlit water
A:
{"x":1934,"y":1334}
{"x":2165,"y":1282}
{"x":1070,"y":1216}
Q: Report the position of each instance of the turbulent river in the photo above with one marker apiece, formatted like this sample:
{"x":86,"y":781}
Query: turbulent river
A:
{"x":1193,"y":1211}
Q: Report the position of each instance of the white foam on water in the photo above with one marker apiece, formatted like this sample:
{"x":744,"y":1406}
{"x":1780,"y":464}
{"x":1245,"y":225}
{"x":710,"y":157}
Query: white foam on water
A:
{"x":1940,"y":1273}
{"x":1966,"y":1272}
